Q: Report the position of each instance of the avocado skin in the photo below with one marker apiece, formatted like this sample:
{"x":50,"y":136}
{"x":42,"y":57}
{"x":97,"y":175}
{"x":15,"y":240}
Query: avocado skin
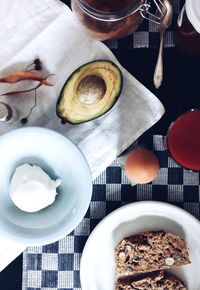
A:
{"x":64,"y":120}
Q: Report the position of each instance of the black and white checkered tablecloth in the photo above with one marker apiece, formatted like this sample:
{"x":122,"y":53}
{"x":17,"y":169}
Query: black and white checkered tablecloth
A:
{"x":56,"y":266}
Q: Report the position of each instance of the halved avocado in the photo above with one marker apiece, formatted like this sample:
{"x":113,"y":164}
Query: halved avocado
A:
{"x":89,"y":92}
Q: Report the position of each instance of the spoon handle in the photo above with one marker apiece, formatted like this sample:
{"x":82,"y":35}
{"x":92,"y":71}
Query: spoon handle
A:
{"x":158,"y":73}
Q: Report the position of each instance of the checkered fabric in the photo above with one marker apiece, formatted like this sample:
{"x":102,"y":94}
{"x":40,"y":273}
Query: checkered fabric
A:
{"x":56,"y":266}
{"x":147,"y":35}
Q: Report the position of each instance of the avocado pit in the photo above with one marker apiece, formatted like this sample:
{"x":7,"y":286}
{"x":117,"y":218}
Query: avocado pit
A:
{"x":91,"y":89}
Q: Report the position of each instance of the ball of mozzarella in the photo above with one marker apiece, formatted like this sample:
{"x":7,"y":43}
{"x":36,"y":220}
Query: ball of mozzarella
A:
{"x":31,"y":189}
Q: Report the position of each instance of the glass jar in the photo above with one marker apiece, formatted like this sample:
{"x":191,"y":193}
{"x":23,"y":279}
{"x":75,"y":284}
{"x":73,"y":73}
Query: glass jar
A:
{"x":187,"y":32}
{"x":183,"y":142}
{"x":111,"y":19}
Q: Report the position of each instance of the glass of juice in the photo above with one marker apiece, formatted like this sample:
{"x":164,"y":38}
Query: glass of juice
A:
{"x":183,"y":140}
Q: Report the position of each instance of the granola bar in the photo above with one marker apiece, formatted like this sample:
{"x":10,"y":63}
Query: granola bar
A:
{"x":159,"y":280}
{"x":150,"y":251}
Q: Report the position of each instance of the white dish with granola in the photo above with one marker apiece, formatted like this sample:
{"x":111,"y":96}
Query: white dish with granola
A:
{"x":103,"y":263}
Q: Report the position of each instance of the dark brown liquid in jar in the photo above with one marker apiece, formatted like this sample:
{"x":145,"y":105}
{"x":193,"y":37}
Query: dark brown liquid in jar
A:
{"x":187,"y":39}
{"x":103,"y":30}
{"x":109,"y":5}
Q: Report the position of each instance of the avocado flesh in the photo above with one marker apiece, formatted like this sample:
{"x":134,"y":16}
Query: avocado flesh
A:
{"x":76,"y":108}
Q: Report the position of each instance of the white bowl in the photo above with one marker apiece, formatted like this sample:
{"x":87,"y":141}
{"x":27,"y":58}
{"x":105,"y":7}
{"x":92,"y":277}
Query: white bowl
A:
{"x":97,"y":270}
{"x":57,"y":156}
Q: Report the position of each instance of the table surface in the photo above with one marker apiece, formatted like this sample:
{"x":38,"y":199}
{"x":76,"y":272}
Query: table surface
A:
{"x":178,"y":93}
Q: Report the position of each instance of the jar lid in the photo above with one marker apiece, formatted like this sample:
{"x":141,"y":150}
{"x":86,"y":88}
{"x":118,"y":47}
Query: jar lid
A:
{"x":193,"y":12}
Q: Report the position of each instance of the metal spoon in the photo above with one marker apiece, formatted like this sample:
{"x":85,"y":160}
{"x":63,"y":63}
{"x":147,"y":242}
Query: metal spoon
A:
{"x":165,"y":22}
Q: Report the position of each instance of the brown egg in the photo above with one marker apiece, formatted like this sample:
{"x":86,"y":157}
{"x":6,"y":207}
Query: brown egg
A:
{"x":141,"y":166}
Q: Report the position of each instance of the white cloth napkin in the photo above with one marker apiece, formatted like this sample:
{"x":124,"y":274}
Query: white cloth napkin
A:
{"x":48,"y":29}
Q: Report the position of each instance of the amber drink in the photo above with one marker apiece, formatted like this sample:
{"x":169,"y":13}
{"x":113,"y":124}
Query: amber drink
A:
{"x":109,"y":19}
